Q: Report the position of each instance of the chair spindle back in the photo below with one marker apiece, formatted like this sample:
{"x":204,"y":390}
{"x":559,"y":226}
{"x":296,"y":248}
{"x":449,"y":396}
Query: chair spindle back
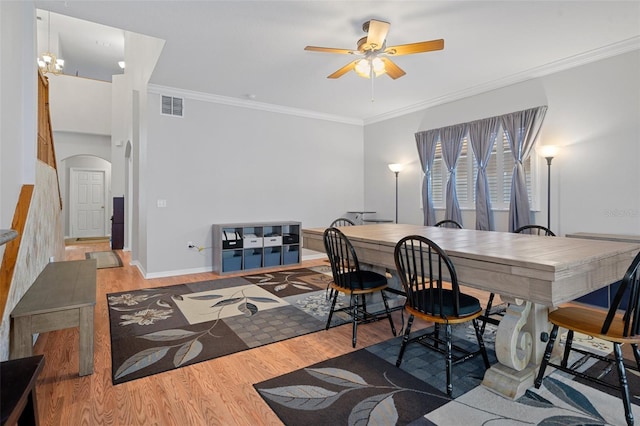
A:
{"x":627,"y":299}
{"x":344,"y":261}
{"x":422,"y":266}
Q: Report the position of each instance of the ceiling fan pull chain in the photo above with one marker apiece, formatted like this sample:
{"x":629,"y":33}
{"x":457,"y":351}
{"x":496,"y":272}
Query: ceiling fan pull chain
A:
{"x":372,"y":77}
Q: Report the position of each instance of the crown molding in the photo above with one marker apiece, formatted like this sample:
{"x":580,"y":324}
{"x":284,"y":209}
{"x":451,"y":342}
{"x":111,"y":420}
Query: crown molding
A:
{"x":250,"y":104}
{"x":594,"y":55}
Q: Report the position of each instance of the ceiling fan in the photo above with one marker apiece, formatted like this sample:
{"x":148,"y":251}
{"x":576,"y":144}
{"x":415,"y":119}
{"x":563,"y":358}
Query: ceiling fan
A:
{"x":375,"y":54}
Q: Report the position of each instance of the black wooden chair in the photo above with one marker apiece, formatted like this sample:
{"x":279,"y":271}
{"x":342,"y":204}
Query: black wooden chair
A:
{"x":341,"y":221}
{"x":535,"y":230}
{"x":349,"y":279}
{"x":448,"y":223}
{"x":527,"y":229}
{"x":619,"y":324}
{"x":423,"y":266}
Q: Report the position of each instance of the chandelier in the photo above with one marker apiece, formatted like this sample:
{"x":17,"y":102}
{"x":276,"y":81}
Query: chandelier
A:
{"x":49,"y":62}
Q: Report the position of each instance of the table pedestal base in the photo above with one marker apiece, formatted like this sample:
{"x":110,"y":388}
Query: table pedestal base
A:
{"x":509,"y":382}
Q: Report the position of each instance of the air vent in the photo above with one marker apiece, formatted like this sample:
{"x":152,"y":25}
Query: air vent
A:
{"x":171,"y":106}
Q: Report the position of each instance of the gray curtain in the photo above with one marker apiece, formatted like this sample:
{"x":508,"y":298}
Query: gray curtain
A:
{"x":482,"y":136}
{"x":522,"y":129}
{"x":451,"y":141}
{"x":426,"y":142}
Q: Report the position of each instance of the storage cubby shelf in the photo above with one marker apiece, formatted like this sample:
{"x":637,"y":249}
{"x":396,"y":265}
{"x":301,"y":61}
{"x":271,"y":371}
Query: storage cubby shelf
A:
{"x":255,"y":245}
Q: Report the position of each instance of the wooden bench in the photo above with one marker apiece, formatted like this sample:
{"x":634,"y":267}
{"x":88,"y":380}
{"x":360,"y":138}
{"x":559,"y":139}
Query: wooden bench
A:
{"x":63,"y":296}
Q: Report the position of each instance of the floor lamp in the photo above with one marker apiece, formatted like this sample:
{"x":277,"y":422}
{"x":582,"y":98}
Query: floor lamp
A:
{"x":396,"y":168}
{"x":548,"y":152}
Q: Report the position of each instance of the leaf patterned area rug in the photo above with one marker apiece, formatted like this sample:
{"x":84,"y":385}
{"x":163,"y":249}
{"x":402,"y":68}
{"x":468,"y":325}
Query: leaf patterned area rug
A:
{"x":160,"y":329}
{"x":358,"y":388}
{"x":559,"y":401}
{"x":365,"y":387}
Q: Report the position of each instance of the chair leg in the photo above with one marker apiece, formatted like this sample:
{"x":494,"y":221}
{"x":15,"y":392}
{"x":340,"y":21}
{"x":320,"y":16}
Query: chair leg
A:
{"x":333,"y":306}
{"x":567,"y":348}
{"x":624,"y":384}
{"x":547,"y":356}
{"x":487,"y":311}
{"x":355,"y":319}
{"x":483,"y":349}
{"x":436,"y":334}
{"x":449,"y":356}
{"x":405,"y":340}
{"x":636,"y":354}
{"x":386,"y":309}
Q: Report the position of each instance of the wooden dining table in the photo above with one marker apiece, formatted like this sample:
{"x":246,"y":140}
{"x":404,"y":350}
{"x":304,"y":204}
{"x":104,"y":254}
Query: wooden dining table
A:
{"x":532,"y":273}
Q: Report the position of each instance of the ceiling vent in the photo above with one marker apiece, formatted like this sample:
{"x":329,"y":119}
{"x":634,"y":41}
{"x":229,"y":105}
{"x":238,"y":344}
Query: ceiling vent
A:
{"x":171,"y":106}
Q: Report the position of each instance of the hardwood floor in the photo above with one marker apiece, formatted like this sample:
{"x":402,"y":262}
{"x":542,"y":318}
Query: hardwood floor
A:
{"x":215,"y":392}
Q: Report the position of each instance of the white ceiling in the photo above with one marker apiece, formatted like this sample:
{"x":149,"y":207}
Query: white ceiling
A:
{"x":89,"y":50}
{"x":240,"y":48}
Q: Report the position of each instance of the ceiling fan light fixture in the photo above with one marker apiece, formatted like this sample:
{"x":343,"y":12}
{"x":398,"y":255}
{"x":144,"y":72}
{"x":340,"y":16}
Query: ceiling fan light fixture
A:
{"x":376,"y":54}
{"x":378,"y":66}
{"x":364,"y":67}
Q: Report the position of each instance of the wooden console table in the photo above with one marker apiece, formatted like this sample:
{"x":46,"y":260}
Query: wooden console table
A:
{"x":63,"y":296}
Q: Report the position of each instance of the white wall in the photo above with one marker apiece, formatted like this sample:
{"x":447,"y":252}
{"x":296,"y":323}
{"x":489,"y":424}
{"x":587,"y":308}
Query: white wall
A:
{"x":385,"y":143}
{"x":596,"y":116}
{"x":18,"y":104}
{"x":69,"y":144}
{"x":87,"y":111}
{"x":227,"y":164}
{"x":120,"y":131}
{"x":594,"y":111}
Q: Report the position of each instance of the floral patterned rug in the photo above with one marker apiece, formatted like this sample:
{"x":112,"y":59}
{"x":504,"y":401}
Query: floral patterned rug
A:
{"x":160,"y":329}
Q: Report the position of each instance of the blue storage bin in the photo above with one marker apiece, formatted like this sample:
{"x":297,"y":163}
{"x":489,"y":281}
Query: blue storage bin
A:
{"x":291,"y":255}
{"x":231,"y":261}
{"x":252,"y":259}
{"x":272,"y":256}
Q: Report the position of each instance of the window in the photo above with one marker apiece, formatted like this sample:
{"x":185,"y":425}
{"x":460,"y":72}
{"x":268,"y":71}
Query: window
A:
{"x":499,"y":173}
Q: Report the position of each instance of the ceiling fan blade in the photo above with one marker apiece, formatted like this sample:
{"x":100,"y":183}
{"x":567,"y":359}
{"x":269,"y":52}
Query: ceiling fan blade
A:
{"x":392,"y":69}
{"x":376,"y":34}
{"x":420,"y":47}
{"x":342,"y":71}
{"x":329,"y":50}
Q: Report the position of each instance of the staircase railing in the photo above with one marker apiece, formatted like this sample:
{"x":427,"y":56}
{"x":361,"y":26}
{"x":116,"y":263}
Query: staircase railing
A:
{"x":46,"y":154}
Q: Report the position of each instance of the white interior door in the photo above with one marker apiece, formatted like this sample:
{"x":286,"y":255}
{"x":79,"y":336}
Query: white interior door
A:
{"x":87,"y":200}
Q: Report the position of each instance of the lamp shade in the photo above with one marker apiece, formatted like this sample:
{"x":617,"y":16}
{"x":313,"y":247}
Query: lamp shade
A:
{"x":548,"y":151}
{"x":395,"y":167}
